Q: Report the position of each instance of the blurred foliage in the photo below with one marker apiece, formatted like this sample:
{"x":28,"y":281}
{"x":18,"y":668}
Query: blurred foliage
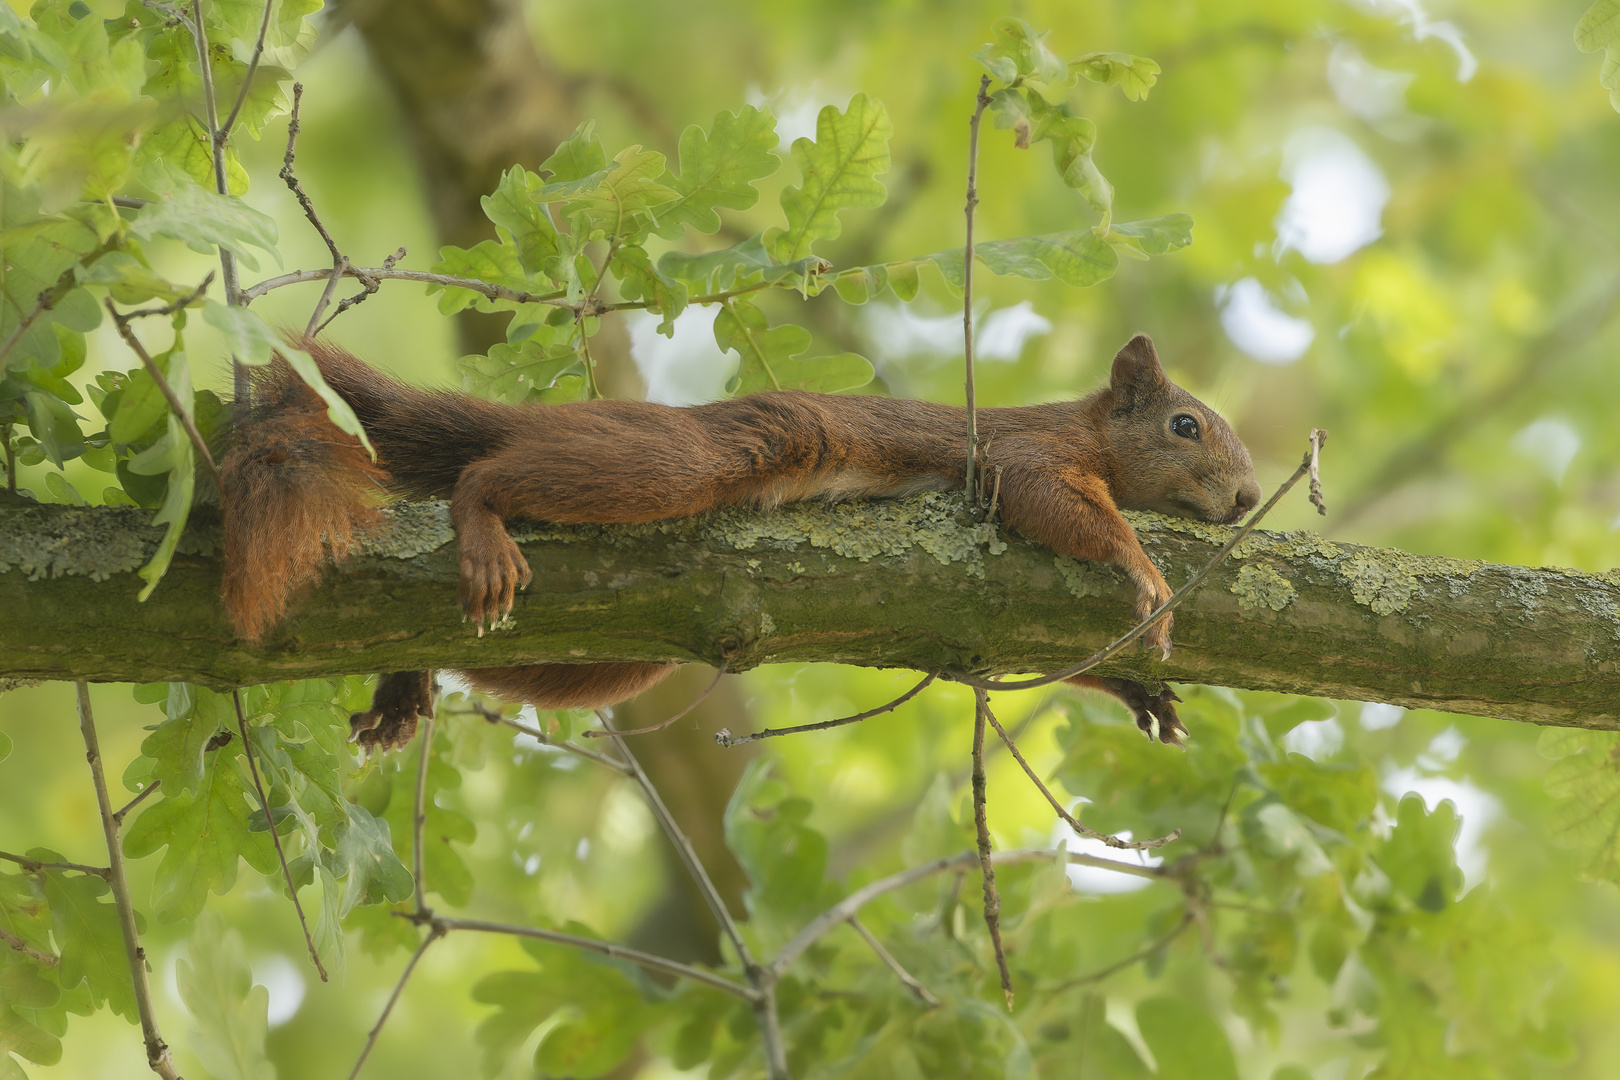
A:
{"x":1357,"y":892}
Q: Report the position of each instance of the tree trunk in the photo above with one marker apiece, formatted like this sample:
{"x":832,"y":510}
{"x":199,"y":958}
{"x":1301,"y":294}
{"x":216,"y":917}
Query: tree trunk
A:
{"x":888,"y":584}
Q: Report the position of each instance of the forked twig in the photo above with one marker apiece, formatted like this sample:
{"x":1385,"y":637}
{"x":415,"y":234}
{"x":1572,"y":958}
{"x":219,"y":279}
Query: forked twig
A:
{"x":906,"y":977}
{"x":478,"y":708}
{"x":1317,"y":438}
{"x":725,"y":738}
{"x":609,"y":733}
{"x":275,"y":837}
{"x":223,"y":135}
{"x":992,"y":898}
{"x":1107,"y":838}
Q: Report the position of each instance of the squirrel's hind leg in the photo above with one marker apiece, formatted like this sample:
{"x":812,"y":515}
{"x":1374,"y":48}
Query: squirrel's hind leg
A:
{"x":569,"y":686}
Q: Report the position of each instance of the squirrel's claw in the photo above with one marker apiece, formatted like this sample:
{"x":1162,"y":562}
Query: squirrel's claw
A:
{"x":400,"y":699}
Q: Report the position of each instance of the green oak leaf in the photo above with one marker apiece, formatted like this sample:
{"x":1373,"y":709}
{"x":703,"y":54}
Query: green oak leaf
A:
{"x":1420,"y":856}
{"x":622,"y":200}
{"x":491,"y":261}
{"x":839,"y":172}
{"x":89,"y":937}
{"x":24,"y":987}
{"x":231,"y":1012}
{"x":770,"y":357}
{"x":640,"y":280}
{"x":1599,"y":28}
{"x":718,"y":170}
{"x":1154,"y":236}
{"x":512,"y":207}
{"x":189,"y":212}
{"x":176,"y":746}
{"x":1187,"y":1042}
{"x":365,"y":859}
{"x":578,"y":156}
{"x":527,"y":371}
{"x":1584,"y":781}
{"x":716,"y":271}
{"x":1134,"y":75}
{"x":1078,"y":258}
{"x":1018,"y":55}
{"x":1034,"y":119}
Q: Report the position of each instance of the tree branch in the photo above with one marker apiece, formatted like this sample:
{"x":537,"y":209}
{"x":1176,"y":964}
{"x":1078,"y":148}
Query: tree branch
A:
{"x":1287,"y":612}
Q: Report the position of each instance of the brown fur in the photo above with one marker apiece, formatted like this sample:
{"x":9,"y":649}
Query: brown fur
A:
{"x":1067,"y":470}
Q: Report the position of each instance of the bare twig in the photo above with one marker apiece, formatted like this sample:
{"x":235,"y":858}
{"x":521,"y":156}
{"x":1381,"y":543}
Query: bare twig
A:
{"x":840,"y":912}
{"x":1135,"y":958}
{"x":33,"y":865}
{"x":1107,"y":838}
{"x":980,"y":103}
{"x":371,"y":286}
{"x":1180,"y":594}
{"x":168,"y":309}
{"x":761,"y":978}
{"x":478,"y":708}
{"x":419,"y":815}
{"x":241,"y":385}
{"x":450,"y":281}
{"x":340,"y":263}
{"x":592,"y":393}
{"x":275,"y":837}
{"x":1318,"y":438}
{"x":137,"y":800}
{"x":17,"y":943}
{"x":11,"y":457}
{"x":894,"y":965}
{"x":434,"y":934}
{"x":157,"y":1051}
{"x":725,"y":738}
{"x":173,"y":399}
{"x":223,"y":135}
{"x":650,"y":961}
{"x":662,"y":724}
{"x":992,"y":898}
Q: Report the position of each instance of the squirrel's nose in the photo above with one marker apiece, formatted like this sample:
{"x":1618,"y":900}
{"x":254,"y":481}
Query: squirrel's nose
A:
{"x":1248,"y":497}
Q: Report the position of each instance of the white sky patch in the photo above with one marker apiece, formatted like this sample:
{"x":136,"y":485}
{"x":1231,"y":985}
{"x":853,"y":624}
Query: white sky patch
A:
{"x":1411,"y":14}
{"x":900,"y":332}
{"x":1254,"y":322}
{"x":1093,"y":879}
{"x":688,"y":369}
{"x":1338,"y":197}
{"x":1376,"y":716}
{"x":1477,"y":808}
{"x":795,"y":109}
{"x":1316,"y":739}
{"x":1372,"y":93}
{"x":1551,"y":443}
{"x":280,"y":975}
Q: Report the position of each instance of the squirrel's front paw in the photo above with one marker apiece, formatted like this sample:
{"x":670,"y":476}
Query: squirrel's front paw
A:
{"x":1155,"y":713}
{"x":390,"y":724}
{"x":492,"y":571}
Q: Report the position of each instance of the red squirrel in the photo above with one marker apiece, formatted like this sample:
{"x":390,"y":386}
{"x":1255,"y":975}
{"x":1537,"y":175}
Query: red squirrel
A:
{"x":296,"y":488}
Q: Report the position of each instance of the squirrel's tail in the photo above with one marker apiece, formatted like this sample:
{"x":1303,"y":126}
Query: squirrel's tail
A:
{"x":292,"y":484}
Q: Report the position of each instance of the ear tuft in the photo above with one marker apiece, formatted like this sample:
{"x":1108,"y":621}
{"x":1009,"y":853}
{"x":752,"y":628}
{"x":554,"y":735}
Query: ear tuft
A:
{"x":1137,"y":374}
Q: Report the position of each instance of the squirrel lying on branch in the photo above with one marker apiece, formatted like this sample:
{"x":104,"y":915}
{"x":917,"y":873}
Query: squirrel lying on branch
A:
{"x":295,"y":487}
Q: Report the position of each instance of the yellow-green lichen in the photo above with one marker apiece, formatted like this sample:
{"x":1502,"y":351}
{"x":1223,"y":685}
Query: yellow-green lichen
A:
{"x":1146,"y":521}
{"x":1374,"y":583}
{"x":1082,"y":579}
{"x":95,"y":542}
{"x":1263,"y":587}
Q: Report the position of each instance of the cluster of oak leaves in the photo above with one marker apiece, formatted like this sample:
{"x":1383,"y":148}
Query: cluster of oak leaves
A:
{"x":1280,"y":857}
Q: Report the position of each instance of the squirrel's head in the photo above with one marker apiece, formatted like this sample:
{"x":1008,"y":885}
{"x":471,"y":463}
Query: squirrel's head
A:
{"x":1173,"y":453}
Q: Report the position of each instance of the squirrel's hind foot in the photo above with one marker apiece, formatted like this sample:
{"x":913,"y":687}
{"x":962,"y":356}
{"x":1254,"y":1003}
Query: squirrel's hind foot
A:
{"x":400,"y":699}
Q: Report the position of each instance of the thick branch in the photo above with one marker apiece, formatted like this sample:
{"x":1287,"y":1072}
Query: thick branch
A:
{"x":1292,"y":612}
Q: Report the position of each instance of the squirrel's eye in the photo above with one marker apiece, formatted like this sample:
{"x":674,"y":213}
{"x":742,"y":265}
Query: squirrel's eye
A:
{"x":1186,"y":427}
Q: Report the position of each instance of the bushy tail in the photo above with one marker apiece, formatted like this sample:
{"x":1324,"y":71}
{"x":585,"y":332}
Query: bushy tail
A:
{"x":293,"y":485}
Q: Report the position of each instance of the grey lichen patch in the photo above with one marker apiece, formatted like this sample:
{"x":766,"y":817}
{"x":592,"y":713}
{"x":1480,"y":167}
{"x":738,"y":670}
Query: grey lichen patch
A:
{"x":1263,"y":587}
{"x":1145,"y":521}
{"x":1384,"y":588}
{"x":410,"y":529}
{"x":1301,"y":545}
{"x":95,"y":542}
{"x":1082,"y":579}
{"x":863,"y":530}
{"x":1523,"y":588}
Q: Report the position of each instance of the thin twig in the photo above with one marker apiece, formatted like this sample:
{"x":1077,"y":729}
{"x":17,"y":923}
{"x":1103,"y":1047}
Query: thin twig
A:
{"x":434,"y":934}
{"x":65,"y":283}
{"x":992,"y":898}
{"x":1169,"y":605}
{"x":1318,"y":438}
{"x":419,"y":816}
{"x":17,"y":943}
{"x":478,"y":708}
{"x":32,"y":865}
{"x":1107,"y":838}
{"x":11,"y":458}
{"x":485,"y":288}
{"x":169,"y":309}
{"x":591,"y":391}
{"x":650,"y":961}
{"x":291,"y":180}
{"x":662,"y":724}
{"x":1134,"y":958}
{"x":224,"y":134}
{"x":894,"y":965}
{"x":275,"y":837}
{"x":980,"y":103}
{"x":683,"y":846}
{"x":371,"y":286}
{"x":173,"y":399}
{"x":137,"y":800}
{"x":840,"y":912}
{"x":157,"y":1051}
{"x":725,"y":738}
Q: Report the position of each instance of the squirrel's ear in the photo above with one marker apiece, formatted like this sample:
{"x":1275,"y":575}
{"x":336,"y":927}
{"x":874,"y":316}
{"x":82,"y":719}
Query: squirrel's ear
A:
{"x":1137,"y":374}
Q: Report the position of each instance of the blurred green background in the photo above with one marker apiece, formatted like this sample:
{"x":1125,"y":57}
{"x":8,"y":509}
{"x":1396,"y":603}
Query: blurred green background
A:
{"x":1406,"y":233}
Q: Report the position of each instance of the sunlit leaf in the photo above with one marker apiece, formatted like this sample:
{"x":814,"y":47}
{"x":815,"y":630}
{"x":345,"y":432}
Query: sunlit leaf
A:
{"x":839,"y":171}
{"x":718,"y":170}
{"x":770,"y":357}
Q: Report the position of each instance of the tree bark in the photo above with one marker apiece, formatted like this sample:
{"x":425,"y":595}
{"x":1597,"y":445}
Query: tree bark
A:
{"x":903,"y":583}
